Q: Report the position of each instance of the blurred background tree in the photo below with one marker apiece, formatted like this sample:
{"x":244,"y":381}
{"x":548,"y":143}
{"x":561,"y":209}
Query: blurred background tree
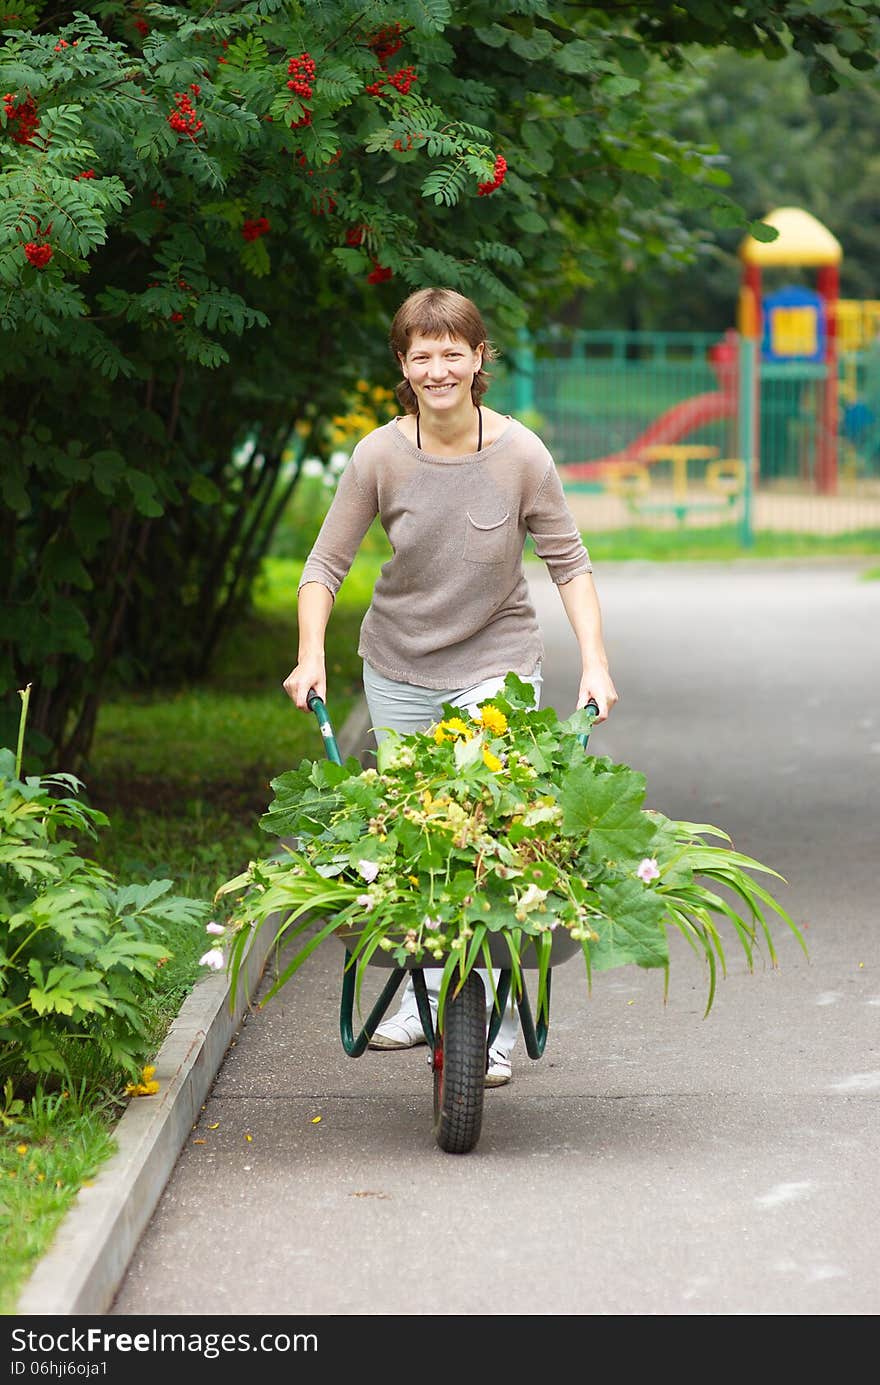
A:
{"x":208,"y":215}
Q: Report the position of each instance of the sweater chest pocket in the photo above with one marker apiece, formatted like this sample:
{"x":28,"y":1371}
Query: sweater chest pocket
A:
{"x":487,"y":539}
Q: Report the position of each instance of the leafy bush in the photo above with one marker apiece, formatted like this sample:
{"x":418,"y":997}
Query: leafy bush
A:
{"x":76,"y":947}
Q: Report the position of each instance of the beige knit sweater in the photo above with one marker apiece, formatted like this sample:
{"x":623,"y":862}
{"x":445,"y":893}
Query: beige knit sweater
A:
{"x":451,"y":606}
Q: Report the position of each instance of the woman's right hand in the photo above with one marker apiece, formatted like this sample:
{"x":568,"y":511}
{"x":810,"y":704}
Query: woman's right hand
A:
{"x":309,"y":673}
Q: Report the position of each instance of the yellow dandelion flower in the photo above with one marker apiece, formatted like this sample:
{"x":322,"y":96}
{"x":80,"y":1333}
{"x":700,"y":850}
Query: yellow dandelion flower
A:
{"x":440,"y":735}
{"x":21,"y":1149}
{"x":491,"y":761}
{"x":493,"y":719}
{"x":455,"y":727}
{"x":362,"y":387}
{"x":413,"y":879}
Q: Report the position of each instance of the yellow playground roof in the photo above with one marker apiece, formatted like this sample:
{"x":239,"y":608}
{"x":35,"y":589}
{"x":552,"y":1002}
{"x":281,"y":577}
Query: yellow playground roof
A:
{"x":802,"y":240}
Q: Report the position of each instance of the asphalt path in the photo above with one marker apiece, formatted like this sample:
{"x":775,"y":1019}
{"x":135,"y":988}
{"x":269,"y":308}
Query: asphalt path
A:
{"x":655,"y":1161}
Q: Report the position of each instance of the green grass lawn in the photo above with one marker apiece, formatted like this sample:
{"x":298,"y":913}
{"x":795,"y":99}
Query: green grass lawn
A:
{"x":722,"y":544}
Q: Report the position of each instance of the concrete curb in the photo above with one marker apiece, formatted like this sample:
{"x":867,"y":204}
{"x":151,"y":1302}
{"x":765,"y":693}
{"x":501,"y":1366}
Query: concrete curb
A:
{"x":83,"y":1269}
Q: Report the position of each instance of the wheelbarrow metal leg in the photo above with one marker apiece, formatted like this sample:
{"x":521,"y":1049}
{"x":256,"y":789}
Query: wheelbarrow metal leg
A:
{"x":354,"y":1047}
{"x":502,"y":994}
{"x":424,"y":1004}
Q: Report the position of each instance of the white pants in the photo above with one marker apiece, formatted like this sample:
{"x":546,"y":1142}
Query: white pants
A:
{"x":406,"y":708}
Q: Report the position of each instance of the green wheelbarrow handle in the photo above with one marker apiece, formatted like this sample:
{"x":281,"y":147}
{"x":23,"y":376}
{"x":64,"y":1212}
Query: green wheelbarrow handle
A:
{"x":592,"y":706}
{"x":316,"y":705}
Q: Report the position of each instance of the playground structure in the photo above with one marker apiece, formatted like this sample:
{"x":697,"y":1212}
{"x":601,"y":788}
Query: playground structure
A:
{"x":797,"y":327}
{"x":709,"y":430}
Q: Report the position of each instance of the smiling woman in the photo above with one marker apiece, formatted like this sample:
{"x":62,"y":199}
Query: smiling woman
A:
{"x":458,"y":488}
{"x":439,"y":341}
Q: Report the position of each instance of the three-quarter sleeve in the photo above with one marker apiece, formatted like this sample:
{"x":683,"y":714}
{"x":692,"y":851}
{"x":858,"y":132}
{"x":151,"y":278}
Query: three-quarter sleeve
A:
{"x":556,"y":536}
{"x":351,"y":513}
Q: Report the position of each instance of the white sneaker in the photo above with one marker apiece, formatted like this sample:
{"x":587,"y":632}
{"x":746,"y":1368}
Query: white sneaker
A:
{"x":403,"y":1031}
{"x":499,"y":1071}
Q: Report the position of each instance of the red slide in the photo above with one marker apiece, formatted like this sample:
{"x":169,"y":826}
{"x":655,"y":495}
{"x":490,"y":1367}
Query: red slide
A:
{"x":679,"y":420}
{"x":671,"y":426}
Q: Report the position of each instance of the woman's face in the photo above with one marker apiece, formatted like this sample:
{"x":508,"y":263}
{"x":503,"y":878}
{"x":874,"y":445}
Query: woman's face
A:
{"x":440,"y":371}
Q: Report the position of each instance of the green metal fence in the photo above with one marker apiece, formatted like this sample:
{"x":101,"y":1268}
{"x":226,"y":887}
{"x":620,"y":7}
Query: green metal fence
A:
{"x":649,"y":427}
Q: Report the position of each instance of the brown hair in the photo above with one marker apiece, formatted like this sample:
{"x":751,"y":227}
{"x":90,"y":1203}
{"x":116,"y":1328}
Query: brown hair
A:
{"x":439,"y":313}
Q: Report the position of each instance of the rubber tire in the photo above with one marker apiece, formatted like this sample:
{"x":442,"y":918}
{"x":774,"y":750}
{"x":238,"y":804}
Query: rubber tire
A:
{"x":460,"y":1070}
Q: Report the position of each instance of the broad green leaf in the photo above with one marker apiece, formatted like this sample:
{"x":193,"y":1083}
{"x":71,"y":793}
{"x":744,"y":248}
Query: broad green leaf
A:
{"x":608,"y":807}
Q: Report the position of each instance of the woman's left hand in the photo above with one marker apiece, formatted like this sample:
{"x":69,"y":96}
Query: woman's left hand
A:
{"x":596,"y":683}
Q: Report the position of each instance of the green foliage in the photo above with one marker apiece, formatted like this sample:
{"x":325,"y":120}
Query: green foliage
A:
{"x":492,"y":825}
{"x":76,"y":947}
{"x":182,"y":233}
{"x":779,"y":144}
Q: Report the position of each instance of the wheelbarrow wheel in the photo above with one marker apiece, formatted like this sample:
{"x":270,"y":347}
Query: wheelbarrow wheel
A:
{"x":460,"y":1069}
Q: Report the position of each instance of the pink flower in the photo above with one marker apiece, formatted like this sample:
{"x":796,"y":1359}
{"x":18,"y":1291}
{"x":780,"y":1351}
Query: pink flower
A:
{"x":364,"y":900}
{"x":213,"y":959}
{"x":432,"y":923}
{"x":215,"y":928}
{"x":368,"y":869}
{"x":648,"y":870}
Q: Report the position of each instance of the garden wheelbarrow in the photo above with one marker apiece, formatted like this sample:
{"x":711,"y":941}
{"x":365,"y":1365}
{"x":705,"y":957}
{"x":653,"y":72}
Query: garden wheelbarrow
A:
{"x":459,"y":1053}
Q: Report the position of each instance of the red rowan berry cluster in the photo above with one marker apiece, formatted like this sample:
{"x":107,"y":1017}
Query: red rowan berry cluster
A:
{"x":401,"y":147}
{"x":385,"y":42}
{"x":38,"y":254}
{"x":142,"y":27}
{"x":183,"y":118}
{"x":403,"y":79}
{"x":483,"y":189}
{"x":301,"y":72}
{"x":255,"y":228}
{"x":22,"y":119}
{"x":86,"y":173}
{"x":379,"y":273}
{"x":354,"y":236}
